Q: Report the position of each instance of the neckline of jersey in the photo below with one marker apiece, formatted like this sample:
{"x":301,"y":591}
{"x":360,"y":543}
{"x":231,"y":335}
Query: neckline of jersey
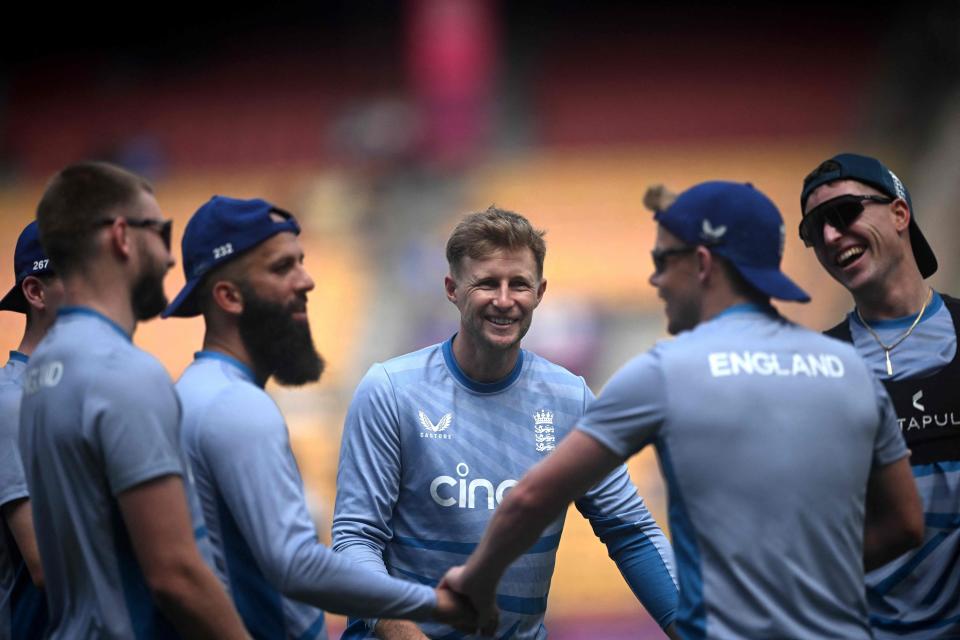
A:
{"x":216,"y":355}
{"x":936,"y":303}
{"x":19,"y":356}
{"x":746,"y":307}
{"x":470,"y":383}
{"x":93,"y":313}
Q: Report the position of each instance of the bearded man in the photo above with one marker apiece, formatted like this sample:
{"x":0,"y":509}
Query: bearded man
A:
{"x":99,"y":428}
{"x":245,"y":275}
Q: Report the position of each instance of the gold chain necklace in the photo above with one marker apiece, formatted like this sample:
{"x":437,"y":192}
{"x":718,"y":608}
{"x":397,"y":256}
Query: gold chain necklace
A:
{"x":904,"y":336}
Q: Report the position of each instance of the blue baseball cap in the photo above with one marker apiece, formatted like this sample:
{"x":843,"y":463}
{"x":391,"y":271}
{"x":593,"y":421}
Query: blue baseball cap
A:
{"x":739,"y":223}
{"x":29,"y":259}
{"x":872,"y":172}
{"x":221,"y":230}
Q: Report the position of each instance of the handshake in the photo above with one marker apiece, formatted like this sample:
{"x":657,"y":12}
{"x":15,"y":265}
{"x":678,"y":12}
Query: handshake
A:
{"x":466,"y":603}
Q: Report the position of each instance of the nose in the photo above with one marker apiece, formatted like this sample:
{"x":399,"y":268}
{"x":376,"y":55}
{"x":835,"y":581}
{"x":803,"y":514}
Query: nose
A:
{"x":654,"y":280}
{"x":502,"y":298}
{"x":830,"y":233}
{"x":304,"y":282}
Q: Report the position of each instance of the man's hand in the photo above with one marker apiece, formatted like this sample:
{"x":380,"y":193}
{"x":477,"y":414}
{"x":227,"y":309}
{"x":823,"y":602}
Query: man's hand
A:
{"x":483,"y":599}
{"x":455,"y":610}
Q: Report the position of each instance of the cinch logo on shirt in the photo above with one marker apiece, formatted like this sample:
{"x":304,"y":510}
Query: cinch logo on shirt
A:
{"x":758,"y":363}
{"x":465,"y":496}
{"x":44,"y":375}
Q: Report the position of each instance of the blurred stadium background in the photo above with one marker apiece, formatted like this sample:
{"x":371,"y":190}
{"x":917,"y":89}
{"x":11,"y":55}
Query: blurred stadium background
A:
{"x":380,"y":123}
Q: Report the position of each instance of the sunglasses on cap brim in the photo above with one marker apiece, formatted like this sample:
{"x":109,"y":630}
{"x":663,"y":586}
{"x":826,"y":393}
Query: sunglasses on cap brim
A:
{"x":839,"y":213}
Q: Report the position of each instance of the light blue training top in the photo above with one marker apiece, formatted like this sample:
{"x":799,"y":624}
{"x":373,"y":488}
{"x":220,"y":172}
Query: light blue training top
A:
{"x":99,"y":417}
{"x":265,"y":543}
{"x":917,"y":596}
{"x":767,"y":434}
{"x":427,"y":455}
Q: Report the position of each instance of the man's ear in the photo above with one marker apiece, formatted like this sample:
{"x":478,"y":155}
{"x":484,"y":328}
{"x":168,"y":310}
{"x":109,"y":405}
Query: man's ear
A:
{"x":706,"y":265}
{"x":450,"y":286}
{"x":542,"y":289}
{"x":227,"y":296}
{"x":121,"y":241}
{"x":901,"y":214}
{"x":34,"y":291}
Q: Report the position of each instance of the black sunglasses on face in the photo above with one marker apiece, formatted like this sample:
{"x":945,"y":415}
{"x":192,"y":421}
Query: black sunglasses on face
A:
{"x":660,"y":256}
{"x":839,"y":213}
{"x":163,"y":228}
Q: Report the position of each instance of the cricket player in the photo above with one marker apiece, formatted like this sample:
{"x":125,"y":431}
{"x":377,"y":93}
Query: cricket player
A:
{"x":785,"y":466}
{"x":99,"y":428}
{"x":245,"y":274}
{"x":436,"y":439}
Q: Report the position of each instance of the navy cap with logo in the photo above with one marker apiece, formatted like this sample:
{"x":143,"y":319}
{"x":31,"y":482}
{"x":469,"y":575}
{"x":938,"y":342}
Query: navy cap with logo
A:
{"x":872,"y":172}
{"x":220,"y":231}
{"x":739,"y":223}
{"x":29,"y":259}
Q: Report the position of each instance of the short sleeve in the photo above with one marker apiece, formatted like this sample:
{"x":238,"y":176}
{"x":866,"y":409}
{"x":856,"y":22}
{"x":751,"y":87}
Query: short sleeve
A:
{"x":13,"y":483}
{"x":135,"y":416}
{"x":630,"y":409}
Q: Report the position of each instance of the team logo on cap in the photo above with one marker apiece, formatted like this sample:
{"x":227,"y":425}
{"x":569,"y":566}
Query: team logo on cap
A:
{"x":435,"y":430}
{"x":543,"y":435}
{"x":709,"y":233}
{"x":897,"y":185}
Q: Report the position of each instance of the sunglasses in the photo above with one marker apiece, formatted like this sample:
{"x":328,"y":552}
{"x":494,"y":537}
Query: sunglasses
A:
{"x":660,"y":256}
{"x":163,"y":228}
{"x":839,"y":213}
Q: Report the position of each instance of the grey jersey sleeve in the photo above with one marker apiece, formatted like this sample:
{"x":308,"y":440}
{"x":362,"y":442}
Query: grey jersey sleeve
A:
{"x":13,"y":482}
{"x":630,"y":410}
{"x":634,"y":541}
{"x":249,"y":455}
{"x":135,"y":420}
{"x":889,"y":445}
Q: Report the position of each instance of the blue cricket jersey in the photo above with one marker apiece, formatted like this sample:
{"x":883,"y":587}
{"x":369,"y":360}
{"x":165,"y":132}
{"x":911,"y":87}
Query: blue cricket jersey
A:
{"x":767,"y":434}
{"x":99,"y":416}
{"x":917,"y":596}
{"x":265,"y":543}
{"x":428,"y":454}
{"x":23,"y":607}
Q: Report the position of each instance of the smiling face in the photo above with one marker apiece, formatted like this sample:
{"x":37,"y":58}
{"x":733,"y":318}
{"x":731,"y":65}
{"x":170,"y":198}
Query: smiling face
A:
{"x":872,"y":247}
{"x":496,"y":296}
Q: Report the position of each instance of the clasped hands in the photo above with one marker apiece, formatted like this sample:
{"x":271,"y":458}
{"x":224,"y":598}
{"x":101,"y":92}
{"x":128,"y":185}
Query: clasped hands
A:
{"x":466,"y":603}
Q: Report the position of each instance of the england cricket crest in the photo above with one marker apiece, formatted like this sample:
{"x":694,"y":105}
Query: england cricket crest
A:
{"x":543,"y":436}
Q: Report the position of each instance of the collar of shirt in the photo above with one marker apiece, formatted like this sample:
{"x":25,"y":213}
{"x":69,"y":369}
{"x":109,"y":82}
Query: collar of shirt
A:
{"x":216,"y":355}
{"x":66,"y":312}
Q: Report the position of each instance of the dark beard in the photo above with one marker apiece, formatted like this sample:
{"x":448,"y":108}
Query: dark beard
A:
{"x":148,"y":298}
{"x":277,"y":344}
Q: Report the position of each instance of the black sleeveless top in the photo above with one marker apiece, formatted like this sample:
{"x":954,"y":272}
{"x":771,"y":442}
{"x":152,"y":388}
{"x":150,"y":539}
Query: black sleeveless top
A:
{"x":928,"y":407}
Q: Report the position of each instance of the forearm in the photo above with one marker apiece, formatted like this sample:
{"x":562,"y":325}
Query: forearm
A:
{"x":336,"y":583}
{"x":20,"y":522}
{"x":195,"y":602}
{"x":645,"y":570}
{"x":541,"y":496}
{"x":884,"y":541}
{"x":893,"y":523}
